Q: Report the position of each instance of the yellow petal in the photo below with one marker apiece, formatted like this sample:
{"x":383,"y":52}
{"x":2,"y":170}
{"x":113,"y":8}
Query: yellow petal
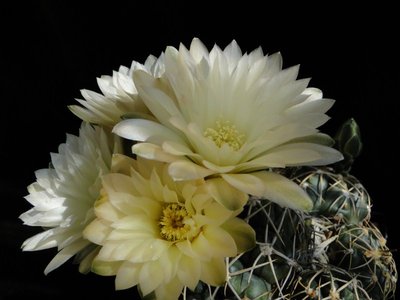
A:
{"x":128,"y":204}
{"x":217,"y":214}
{"x":226,"y":194}
{"x":186,"y":248}
{"x":221,"y":243}
{"x":97,"y":231}
{"x":105,"y":268}
{"x":118,"y":182}
{"x":122,"y":164}
{"x":150,"y":277}
{"x":127,"y":275}
{"x":86,"y":264}
{"x":201,"y":247}
{"x":213,"y":272}
{"x":242,"y":233}
{"x":136,"y":250}
{"x":104,"y":210}
{"x":189,"y":271}
{"x":170,"y":290}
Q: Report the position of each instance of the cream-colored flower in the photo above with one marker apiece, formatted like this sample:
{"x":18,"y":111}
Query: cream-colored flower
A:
{"x":119,"y":96}
{"x":63,"y":196}
{"x":160,"y":234}
{"x":229,"y":117}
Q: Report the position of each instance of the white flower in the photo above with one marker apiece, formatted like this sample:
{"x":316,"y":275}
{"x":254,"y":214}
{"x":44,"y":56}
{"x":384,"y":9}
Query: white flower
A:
{"x":163,"y":235}
{"x":228,"y":117}
{"x":63,"y":196}
{"x":119,"y":96}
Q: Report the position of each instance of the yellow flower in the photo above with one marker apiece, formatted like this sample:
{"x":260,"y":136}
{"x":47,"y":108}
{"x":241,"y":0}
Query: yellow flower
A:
{"x":230,"y":117}
{"x":162,"y":235}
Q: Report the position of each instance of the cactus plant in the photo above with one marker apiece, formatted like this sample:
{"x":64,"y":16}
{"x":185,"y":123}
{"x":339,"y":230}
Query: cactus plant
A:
{"x":332,"y":252}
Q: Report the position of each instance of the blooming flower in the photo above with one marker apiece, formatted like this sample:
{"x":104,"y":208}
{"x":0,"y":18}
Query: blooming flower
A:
{"x":230,"y":118}
{"x":163,"y":235}
{"x":119,"y":96}
{"x":63,"y":196}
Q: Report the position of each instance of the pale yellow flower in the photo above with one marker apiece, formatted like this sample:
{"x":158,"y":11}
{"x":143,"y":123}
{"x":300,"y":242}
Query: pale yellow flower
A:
{"x":118,"y":97}
{"x":63,"y":196}
{"x":162,"y":235}
{"x":229,"y":118}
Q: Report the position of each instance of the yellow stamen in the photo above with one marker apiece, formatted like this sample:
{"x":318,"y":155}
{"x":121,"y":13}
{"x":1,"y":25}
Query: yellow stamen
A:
{"x":225,"y":133}
{"x":173,"y":222}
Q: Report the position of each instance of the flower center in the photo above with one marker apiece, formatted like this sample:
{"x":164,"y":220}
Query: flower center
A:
{"x":225,"y":132}
{"x":173,"y":226}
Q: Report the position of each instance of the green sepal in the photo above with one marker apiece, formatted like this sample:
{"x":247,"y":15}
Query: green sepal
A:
{"x":348,"y":142}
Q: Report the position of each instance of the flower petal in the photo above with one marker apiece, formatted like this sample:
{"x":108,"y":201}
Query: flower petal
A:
{"x":97,"y":231}
{"x":273,"y":187}
{"x":243,"y":234}
{"x":213,"y":272}
{"x":127,"y":275}
{"x":247,"y":183}
{"x":201,"y":247}
{"x":299,"y":154}
{"x":226,"y":194}
{"x":153,"y":152}
{"x":186,"y":170}
{"x":170,"y":290}
{"x":141,"y":130}
{"x":155,"y":98}
{"x":105,"y":268}
{"x":65,"y":254}
{"x":150,"y":277}
{"x":216,"y":168}
{"x":221,"y":242}
{"x":189,"y":271}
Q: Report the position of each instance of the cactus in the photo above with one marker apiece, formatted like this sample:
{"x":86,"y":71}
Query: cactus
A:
{"x":332,"y":252}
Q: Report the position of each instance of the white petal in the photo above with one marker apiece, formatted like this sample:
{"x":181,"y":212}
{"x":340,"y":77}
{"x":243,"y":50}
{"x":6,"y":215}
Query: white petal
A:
{"x":157,"y":101}
{"x":186,"y":170}
{"x":44,"y":240}
{"x":65,"y":254}
{"x":247,"y":183}
{"x":298,"y":154}
{"x":141,"y":130}
{"x":273,"y":187}
{"x":153,"y":152}
{"x":198,"y":50}
{"x":216,"y":168}
{"x":179,"y":149}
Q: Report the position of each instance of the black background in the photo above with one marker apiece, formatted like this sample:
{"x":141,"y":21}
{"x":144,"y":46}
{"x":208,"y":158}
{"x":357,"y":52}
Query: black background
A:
{"x":51,"y":49}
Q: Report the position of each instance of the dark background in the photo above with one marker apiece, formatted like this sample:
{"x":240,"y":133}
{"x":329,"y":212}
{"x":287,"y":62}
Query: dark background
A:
{"x":51,"y":49}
